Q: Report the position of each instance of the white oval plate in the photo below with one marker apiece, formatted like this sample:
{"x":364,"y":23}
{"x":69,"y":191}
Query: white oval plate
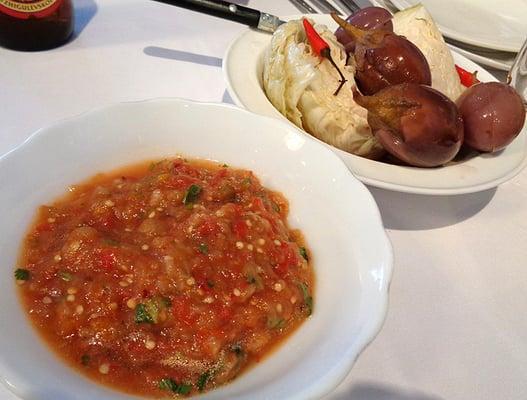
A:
{"x":351,"y":253}
{"x":242,"y":68}
{"x":485,"y":23}
{"x":498,"y":61}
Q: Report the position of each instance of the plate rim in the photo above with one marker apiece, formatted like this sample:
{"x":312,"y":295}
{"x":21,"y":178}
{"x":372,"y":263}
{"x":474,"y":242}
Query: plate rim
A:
{"x":480,"y":59}
{"x":461,"y":37}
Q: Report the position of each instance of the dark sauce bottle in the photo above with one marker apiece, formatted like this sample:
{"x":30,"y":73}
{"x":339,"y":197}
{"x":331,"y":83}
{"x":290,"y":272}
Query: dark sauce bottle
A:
{"x":32,"y":25}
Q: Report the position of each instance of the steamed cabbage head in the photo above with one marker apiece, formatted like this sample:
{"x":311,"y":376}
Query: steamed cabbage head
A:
{"x":417,"y":25}
{"x":301,"y":85}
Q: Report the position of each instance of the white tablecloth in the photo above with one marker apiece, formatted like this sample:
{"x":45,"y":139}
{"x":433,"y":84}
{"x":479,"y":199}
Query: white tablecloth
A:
{"x":456,"y":326}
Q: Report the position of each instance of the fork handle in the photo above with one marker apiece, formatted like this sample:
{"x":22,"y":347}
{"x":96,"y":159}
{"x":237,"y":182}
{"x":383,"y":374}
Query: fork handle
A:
{"x":221,"y":9}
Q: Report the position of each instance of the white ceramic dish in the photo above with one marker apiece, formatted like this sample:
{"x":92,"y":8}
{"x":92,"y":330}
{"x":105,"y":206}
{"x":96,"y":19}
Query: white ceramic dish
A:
{"x":242,"y":67}
{"x":484,"y":23}
{"x":341,"y":223}
{"x":501,"y":61}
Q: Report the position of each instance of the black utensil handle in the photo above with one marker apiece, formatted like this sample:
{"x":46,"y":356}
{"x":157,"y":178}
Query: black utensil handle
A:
{"x":221,"y":9}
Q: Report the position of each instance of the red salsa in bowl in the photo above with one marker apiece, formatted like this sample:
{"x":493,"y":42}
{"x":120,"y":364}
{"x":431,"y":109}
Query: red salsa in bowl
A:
{"x":168,"y":278}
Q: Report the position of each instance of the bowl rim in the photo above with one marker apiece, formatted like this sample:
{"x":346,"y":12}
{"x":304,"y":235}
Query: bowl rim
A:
{"x":373,"y":326}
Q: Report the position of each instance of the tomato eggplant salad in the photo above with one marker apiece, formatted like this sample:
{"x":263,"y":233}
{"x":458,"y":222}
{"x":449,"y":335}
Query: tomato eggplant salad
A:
{"x":167,"y":278}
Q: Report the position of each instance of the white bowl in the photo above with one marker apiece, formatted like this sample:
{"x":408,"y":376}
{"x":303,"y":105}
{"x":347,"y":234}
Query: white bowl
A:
{"x":351,"y":253}
{"x":243,"y":69}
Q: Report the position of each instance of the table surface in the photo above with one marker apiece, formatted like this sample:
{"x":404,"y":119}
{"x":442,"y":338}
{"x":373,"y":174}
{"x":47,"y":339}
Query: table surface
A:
{"x":456,"y":326}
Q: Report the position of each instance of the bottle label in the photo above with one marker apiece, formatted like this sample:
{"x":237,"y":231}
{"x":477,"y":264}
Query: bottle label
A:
{"x":25,"y":9}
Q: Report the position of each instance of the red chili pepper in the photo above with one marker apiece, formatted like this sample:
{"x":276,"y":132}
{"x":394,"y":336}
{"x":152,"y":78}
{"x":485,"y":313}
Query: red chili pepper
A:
{"x":322,"y":49}
{"x":314,"y":38}
{"x":467,"y":78}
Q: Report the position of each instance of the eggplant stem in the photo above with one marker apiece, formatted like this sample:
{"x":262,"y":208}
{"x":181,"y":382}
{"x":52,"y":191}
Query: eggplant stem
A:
{"x":350,"y":29}
{"x":326,"y":53}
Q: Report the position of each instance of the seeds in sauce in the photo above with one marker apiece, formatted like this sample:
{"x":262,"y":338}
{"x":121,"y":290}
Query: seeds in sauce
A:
{"x":168,"y":279}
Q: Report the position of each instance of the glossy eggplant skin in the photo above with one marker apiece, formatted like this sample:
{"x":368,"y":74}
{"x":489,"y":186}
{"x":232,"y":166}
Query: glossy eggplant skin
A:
{"x":415,"y":123}
{"x":391,"y":61}
{"x":493,"y":114}
{"x":383,"y":58}
{"x":367,"y":18}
